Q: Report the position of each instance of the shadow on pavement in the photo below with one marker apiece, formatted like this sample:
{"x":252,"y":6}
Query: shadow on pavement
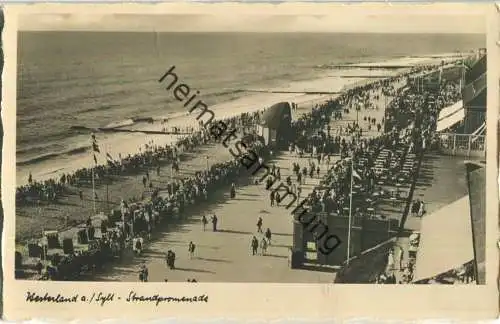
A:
{"x":233,"y":232}
{"x":213,"y":260}
{"x":194,"y":270}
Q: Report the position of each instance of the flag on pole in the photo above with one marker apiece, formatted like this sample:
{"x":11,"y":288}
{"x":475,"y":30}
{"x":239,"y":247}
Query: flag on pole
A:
{"x":95,"y":146}
{"x":95,"y":149}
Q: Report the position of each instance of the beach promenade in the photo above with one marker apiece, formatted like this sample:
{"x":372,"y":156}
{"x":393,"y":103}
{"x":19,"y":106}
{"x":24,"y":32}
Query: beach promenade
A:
{"x":71,"y":210}
{"x":225,"y":255}
{"x":221,"y":256}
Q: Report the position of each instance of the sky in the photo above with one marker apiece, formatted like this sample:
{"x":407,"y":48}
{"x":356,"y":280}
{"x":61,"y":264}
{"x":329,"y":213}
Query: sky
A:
{"x":350,"y":21}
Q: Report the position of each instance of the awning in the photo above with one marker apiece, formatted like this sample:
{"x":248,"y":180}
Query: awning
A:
{"x":450,"y":115}
{"x":445,"y":240}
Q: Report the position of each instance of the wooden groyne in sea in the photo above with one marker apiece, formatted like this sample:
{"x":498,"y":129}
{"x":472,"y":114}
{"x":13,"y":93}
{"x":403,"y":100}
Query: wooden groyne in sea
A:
{"x":124,"y":130}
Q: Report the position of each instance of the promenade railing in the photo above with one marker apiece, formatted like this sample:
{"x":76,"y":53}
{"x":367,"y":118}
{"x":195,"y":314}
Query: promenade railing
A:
{"x":467,"y":145}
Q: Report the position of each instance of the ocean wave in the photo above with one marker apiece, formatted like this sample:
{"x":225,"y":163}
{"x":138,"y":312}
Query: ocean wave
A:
{"x":170,"y":115}
{"x":120,"y":123}
{"x":330,"y":66}
{"x":48,"y":156}
{"x":99,"y":108}
{"x":225,"y":92}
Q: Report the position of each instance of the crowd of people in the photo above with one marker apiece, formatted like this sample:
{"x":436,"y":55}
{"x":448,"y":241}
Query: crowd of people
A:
{"x":152,"y":156}
{"x":134,"y":222}
{"x":387,"y":160}
{"x":423,"y":108}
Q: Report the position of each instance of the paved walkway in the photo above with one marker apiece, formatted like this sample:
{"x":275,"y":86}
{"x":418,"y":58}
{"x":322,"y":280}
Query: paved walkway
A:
{"x":225,"y":256}
{"x":377,"y":112}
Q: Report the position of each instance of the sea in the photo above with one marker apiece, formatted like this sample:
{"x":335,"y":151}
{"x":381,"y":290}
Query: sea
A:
{"x":99,"y":79}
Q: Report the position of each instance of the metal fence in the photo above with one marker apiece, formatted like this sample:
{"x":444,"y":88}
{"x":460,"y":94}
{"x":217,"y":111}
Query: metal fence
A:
{"x":463,"y":144}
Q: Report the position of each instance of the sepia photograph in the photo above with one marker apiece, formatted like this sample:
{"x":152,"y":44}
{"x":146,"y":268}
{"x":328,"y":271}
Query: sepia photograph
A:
{"x":254,"y":149}
{"x":250,"y":161}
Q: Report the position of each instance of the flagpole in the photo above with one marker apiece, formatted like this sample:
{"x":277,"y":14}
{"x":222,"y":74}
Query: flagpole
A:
{"x":93,"y":188}
{"x":350,"y":215}
{"x":107,"y":179}
{"x":94,"y":144}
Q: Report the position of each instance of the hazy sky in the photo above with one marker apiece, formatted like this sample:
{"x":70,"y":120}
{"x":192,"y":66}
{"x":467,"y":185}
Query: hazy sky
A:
{"x":353,"y":21}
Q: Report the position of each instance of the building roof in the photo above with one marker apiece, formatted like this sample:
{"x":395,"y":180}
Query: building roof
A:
{"x":445,"y":240}
{"x":450,"y":115}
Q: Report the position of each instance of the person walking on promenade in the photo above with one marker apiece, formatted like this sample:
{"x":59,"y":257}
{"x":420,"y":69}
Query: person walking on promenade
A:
{"x":278,"y":199}
{"x":259,"y":225}
{"x":390,"y":260}
{"x":415,"y":207}
{"x":400,"y":258}
{"x":214,"y":223}
{"x":255,"y":245}
{"x":204,"y":222}
{"x":171,"y":259}
{"x":271,"y":197}
{"x":299,"y":191}
{"x":421,"y":210}
{"x":263,"y":246}
{"x":278,"y":174}
{"x":268,"y":235}
{"x":191,"y":248}
{"x":167,"y":258}
{"x":233,"y":191}
{"x":143,"y":273}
